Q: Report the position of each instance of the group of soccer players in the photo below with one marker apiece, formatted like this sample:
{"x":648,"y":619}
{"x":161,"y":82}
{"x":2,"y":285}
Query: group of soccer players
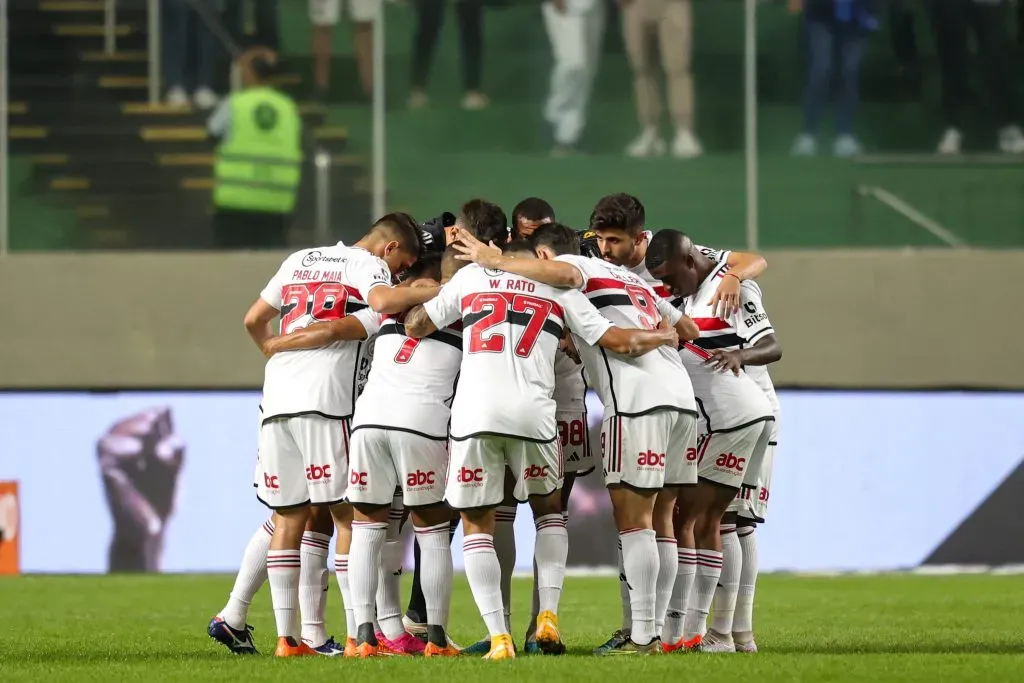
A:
{"x":481,"y":341}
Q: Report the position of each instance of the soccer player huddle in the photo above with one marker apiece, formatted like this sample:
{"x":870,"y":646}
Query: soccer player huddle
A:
{"x":481,"y":341}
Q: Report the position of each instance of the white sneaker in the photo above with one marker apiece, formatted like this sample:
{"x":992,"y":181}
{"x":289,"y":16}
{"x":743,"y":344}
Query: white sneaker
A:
{"x":717,"y":643}
{"x":804,"y":146}
{"x":846,"y":146}
{"x":475,"y":101}
{"x":177,"y":97}
{"x":647,"y":144}
{"x":205,"y":98}
{"x":686,"y":145}
{"x":420,"y":631}
{"x":950,"y":142}
{"x":1011,"y":140}
{"x":744,"y":642}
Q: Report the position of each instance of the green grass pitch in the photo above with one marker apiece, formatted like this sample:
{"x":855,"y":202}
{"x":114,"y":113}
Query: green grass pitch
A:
{"x":152,"y":628}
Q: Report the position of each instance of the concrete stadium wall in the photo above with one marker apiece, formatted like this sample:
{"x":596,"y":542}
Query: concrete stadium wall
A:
{"x":850,"y":319}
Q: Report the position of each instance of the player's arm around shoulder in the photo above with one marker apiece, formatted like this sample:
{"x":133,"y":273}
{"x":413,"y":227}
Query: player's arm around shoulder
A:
{"x":558,"y":272}
{"x":742,"y":267}
{"x":588,"y":324}
{"x":752,"y":323}
{"x":258,"y":321}
{"x":356,"y":327}
{"x":442,"y":309}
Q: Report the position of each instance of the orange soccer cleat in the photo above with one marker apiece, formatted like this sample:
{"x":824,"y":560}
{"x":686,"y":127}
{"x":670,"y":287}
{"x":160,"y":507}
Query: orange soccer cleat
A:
{"x":432,"y":650}
{"x":287,"y":647}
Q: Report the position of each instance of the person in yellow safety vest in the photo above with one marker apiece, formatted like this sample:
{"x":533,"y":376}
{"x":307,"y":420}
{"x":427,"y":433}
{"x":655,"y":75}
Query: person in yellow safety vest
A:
{"x":259,"y":159}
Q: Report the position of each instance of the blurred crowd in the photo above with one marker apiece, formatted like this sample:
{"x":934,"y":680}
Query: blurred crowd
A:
{"x":658,"y":39}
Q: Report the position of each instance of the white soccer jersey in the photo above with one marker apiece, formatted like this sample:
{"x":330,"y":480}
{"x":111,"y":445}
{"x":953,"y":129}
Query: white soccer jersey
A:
{"x":511,"y":329}
{"x":752,"y":324}
{"x":719,"y":256}
{"x":631,"y":386}
{"x":315,"y":285}
{"x":412,"y":381}
{"x":570,"y":387}
{"x":726,"y":400}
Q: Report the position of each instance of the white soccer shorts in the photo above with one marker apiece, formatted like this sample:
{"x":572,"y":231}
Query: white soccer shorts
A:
{"x":726,"y":457}
{"x":476,"y":470}
{"x":382,"y":461}
{"x":328,"y":12}
{"x":574,"y":436}
{"x":752,"y":503}
{"x":303,"y":459}
{"x":650,"y":451}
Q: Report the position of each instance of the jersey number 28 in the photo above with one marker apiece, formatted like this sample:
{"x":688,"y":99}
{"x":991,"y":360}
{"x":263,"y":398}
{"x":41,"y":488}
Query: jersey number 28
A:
{"x":528,"y":311}
{"x":318,"y":300}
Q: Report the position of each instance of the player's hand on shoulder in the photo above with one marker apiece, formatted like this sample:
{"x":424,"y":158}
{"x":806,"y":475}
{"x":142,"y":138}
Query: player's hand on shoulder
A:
{"x":726,"y":301}
{"x":472,"y":249}
{"x":726,"y":361}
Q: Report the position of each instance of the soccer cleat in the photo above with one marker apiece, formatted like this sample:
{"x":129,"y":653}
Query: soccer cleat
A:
{"x":238,"y":640}
{"x":617,"y":640}
{"x":432,"y":650}
{"x":683,"y":645}
{"x":287,"y":647}
{"x":386,"y":648}
{"x":329,"y":649}
{"x":480,"y":647}
{"x":414,"y":627}
{"x":350,"y":647}
{"x":548,"y":638}
{"x":405,"y":643}
{"x":502,"y":647}
{"x":745,"y":646}
{"x":365,"y":650}
{"x":631,"y":648}
{"x":717,"y":643}
{"x":530,"y":647}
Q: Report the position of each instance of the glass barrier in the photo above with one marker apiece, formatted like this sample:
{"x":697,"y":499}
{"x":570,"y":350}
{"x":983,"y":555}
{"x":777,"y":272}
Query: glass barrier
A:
{"x":517,"y":99}
{"x":855,"y":114}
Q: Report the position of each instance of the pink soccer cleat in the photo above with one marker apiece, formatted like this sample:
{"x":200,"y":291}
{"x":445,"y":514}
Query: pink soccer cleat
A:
{"x":405,"y":644}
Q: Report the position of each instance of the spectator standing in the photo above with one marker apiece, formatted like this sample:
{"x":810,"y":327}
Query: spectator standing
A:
{"x":989,"y":21}
{"x":836,"y":31}
{"x":575,"y":29}
{"x":181,"y":32}
{"x":672,"y":22}
{"x":259,"y":159}
{"x":429,"y":19}
{"x":324,"y":15}
{"x":264,"y":18}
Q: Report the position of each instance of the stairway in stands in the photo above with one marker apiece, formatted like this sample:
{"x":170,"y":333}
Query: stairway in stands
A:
{"x":137,"y":176}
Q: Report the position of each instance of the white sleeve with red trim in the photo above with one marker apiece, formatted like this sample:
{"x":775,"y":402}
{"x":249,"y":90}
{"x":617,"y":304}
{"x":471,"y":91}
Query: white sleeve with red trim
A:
{"x":366,"y":272}
{"x":446,"y":307}
{"x":752,"y":321}
{"x":582,"y":318}
{"x":579,"y":262}
{"x":716,"y":255}
{"x":272,"y":292}
{"x":669,"y":312}
{"x":370,"y":320}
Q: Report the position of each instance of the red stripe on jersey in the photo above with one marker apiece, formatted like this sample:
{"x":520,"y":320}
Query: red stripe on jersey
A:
{"x":711,"y":324}
{"x":696,"y":350}
{"x":467,"y":301}
{"x":661,"y":290}
{"x":596,"y":283}
{"x":353,"y":292}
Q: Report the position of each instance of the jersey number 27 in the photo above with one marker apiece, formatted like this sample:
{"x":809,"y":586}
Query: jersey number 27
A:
{"x":528,"y":311}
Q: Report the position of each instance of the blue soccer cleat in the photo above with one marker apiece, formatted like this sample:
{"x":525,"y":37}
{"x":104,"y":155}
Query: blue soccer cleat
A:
{"x":238,"y":640}
{"x":330,"y":649}
{"x":479,"y":648}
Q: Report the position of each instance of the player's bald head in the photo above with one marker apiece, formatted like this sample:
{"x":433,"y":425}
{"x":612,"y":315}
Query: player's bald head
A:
{"x":667,"y":245}
{"x":449,"y":264}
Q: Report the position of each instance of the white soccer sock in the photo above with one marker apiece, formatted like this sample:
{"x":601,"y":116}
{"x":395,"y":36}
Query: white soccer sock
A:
{"x":743,"y":622}
{"x":668,"y":559}
{"x":341,"y":571}
{"x":436,"y":572}
{"x":550,"y":553}
{"x":389,"y":591}
{"x":312,"y":586}
{"x":505,"y":548}
{"x":686,"y":570}
{"x":627,"y":610}
{"x":709,"y":569}
{"x":283,"y":573}
{"x":640,"y":561}
{"x":250,"y":577}
{"x":484,"y":574}
{"x":364,"y":563}
{"x":724,"y":603}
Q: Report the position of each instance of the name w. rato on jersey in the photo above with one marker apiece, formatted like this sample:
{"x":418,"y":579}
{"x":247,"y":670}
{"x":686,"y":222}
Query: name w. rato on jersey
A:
{"x":631,"y":386}
{"x":412,"y":381}
{"x":726,"y":401}
{"x":511,"y":327}
{"x":311,"y":286}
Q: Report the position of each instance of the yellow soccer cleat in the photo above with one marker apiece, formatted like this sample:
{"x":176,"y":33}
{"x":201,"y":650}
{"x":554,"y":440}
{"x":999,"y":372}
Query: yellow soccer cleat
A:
{"x":501,"y":648}
{"x":549,"y":640}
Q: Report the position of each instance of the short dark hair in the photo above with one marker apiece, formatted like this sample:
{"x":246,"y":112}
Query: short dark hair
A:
{"x":402,"y":228}
{"x":484,"y":220}
{"x":263,"y":68}
{"x":619,"y":212}
{"x":517,"y":247}
{"x":450,"y":263}
{"x":559,"y":238}
{"x":427,"y":265}
{"x":664,"y":246}
{"x":532,"y":209}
